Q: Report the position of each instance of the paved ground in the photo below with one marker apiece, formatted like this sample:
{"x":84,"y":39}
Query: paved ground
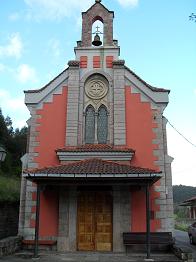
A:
{"x":87,"y":257}
{"x":183,"y":239}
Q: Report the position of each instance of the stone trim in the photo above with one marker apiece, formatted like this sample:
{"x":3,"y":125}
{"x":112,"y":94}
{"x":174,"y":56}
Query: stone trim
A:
{"x":54,"y":87}
{"x":82,"y":105}
{"x":73,"y":105}
{"x":74,"y":63}
{"x":118,"y":64}
{"x":119,"y":106}
{"x":77,"y":156}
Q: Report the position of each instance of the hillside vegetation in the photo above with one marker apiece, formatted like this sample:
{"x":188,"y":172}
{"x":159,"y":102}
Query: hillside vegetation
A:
{"x":14,"y":142}
{"x":182,"y":193}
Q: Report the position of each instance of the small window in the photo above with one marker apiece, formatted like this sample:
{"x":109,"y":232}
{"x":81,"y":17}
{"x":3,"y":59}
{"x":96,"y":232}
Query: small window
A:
{"x":102,"y":125}
{"x":90,"y":125}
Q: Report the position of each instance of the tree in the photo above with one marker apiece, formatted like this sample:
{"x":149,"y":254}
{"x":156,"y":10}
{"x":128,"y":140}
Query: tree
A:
{"x":192,"y":17}
{"x":14,"y":142}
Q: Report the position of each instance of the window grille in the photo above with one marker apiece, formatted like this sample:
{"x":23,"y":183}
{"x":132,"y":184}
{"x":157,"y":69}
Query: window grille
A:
{"x":90,"y":125}
{"x":102,"y":125}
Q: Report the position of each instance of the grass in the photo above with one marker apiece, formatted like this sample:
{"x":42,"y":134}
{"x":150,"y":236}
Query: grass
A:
{"x":9,"y":188}
{"x":182,"y":227}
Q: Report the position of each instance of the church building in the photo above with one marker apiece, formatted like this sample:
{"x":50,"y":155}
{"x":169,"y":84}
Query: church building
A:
{"x":97,"y":164}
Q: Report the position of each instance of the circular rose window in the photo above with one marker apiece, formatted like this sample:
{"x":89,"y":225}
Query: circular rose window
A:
{"x":96,"y":89}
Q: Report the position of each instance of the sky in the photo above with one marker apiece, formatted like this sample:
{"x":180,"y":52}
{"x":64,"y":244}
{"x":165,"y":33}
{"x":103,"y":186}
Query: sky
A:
{"x":157,"y":40}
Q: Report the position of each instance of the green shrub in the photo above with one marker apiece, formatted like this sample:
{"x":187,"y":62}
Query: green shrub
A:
{"x":181,"y":227}
{"x":9,"y":189}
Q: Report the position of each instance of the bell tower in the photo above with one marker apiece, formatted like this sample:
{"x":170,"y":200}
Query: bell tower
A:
{"x":94,"y":13}
{"x":96,"y":86}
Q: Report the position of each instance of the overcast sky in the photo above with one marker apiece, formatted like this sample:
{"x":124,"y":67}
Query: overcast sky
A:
{"x":158,"y":42}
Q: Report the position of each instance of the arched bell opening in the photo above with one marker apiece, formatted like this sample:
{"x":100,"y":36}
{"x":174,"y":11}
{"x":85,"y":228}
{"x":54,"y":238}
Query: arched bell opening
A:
{"x":97,"y":31}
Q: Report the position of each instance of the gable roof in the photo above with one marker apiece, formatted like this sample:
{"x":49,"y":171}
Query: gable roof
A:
{"x":96,"y":3}
{"x":93,"y":166}
{"x":189,"y":202}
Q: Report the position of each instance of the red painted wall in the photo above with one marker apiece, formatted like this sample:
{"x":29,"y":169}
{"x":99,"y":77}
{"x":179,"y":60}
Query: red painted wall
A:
{"x":139,"y":133}
{"x":51,"y":136}
{"x":52,"y":130}
{"x":96,"y":62}
{"x":138,"y":211}
{"x":49,"y":210}
{"x":83,"y":62}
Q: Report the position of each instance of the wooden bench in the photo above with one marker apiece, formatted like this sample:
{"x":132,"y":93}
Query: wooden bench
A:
{"x":45,"y":244}
{"x":160,"y":241}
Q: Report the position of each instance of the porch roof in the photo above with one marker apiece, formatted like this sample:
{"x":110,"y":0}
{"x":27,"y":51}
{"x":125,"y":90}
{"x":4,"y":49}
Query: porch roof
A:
{"x":96,"y":148}
{"x":102,"y":151}
{"x":189,"y":202}
{"x":94,"y":169}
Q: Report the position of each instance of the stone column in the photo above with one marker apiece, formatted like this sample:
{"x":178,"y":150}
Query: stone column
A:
{"x":63,"y":236}
{"x":117,"y":241}
{"x":121,"y":216}
{"x":72,"y":104}
{"x":67,"y":219}
{"x":73,"y":219}
{"x":119,"y":103}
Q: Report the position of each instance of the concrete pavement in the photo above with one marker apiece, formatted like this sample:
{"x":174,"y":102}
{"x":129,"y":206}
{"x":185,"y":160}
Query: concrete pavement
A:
{"x":87,"y":257}
{"x":183,"y":240}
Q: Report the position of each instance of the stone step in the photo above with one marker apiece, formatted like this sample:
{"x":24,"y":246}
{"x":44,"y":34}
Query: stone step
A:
{"x":93,"y":257}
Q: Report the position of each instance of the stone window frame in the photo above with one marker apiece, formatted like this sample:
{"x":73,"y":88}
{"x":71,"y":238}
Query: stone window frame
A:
{"x":109,"y":105}
{"x":93,"y":122}
{"x":98,"y":124}
{"x":96,"y":110}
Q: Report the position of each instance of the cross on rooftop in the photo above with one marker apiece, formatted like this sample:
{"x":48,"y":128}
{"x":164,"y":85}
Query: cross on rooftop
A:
{"x":97,"y":1}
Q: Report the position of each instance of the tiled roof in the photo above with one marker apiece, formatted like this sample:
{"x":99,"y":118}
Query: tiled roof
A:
{"x":190,"y":199}
{"x":94,"y":166}
{"x":189,"y":202}
{"x":96,"y":148}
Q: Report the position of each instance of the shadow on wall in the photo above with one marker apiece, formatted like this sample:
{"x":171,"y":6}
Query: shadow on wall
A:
{"x":9,"y":213}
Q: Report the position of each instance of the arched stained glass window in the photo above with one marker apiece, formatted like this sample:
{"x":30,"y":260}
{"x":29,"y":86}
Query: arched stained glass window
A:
{"x":90,"y":125}
{"x":102,"y":125}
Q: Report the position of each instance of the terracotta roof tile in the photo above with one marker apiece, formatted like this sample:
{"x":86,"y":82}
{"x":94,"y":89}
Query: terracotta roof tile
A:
{"x":96,"y":148}
{"x":190,"y":199}
{"x":94,"y":166}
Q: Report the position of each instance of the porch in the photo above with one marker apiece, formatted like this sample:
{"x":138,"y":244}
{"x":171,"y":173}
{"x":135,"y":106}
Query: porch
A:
{"x":94,"y":203}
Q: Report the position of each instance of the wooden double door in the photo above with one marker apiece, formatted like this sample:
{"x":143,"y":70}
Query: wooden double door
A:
{"x":94,"y":219}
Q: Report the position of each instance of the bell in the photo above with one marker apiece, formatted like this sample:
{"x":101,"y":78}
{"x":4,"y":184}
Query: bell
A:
{"x":97,"y":41}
